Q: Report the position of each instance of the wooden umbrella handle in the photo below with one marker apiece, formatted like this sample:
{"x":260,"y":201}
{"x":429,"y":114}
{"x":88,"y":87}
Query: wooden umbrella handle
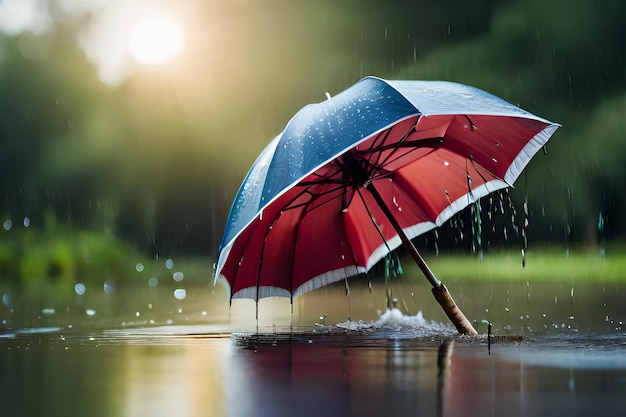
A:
{"x":454,"y":313}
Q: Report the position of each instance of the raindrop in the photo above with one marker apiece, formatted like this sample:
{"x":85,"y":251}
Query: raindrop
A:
{"x":90,"y":312}
{"x":178,"y":276}
{"x":80,"y":288}
{"x":26,"y":221}
{"x":139,"y":267}
{"x":180,"y":293}
{"x":524,"y":261}
{"x":48,"y":311}
{"x":7,"y":225}
{"x":153,"y":282}
{"x":109,"y":287}
{"x":169,"y":264}
{"x":600,"y":222}
{"x":6,"y":300}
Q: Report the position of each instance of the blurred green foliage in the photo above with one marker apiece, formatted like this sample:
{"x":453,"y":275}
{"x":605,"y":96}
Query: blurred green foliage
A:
{"x":154,"y":162}
{"x":62,"y":256}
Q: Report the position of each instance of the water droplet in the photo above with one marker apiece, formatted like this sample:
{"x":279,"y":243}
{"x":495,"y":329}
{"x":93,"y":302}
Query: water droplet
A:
{"x":139,"y":267}
{"x":153,"y":282}
{"x":48,"y":311}
{"x":169,"y":264}
{"x":180,"y":293}
{"x":80,"y":288}
{"x":26,"y":221}
{"x":178,"y":276}
{"x":7,"y":225}
{"x":90,"y":312}
{"x":109,"y":287}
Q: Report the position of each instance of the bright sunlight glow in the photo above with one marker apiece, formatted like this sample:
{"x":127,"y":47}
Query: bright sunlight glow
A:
{"x":156,"y":40}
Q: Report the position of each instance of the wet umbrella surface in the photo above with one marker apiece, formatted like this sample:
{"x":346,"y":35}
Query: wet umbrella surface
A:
{"x":352,"y":178}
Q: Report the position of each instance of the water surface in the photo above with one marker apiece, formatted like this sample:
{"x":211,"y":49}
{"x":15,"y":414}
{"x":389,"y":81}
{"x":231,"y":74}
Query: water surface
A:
{"x":148,"y":353}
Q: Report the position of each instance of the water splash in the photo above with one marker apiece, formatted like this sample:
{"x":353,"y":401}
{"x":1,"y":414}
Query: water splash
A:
{"x":393,"y":320}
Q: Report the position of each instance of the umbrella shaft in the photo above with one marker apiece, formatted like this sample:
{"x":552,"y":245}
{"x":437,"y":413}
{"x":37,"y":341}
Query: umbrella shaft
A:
{"x":404,"y":238}
{"x":439,"y":290}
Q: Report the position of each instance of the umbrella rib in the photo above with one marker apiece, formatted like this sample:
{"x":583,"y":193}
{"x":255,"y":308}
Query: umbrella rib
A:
{"x":371,"y":216}
{"x":293,"y":257}
{"x":314,"y":196}
{"x":374,"y":149}
{"x":480,"y":174}
{"x":260,"y":270}
{"x":402,"y":143}
{"x":394,"y":146}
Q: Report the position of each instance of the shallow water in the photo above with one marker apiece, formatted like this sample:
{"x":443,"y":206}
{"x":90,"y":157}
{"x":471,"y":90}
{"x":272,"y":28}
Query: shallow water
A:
{"x":147,"y":353}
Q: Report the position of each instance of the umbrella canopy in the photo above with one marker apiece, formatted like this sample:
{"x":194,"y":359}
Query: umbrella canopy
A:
{"x":304,"y":216}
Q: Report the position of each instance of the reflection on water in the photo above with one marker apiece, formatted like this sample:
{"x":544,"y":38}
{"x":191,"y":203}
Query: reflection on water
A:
{"x":146,"y":352}
{"x":331,"y":371}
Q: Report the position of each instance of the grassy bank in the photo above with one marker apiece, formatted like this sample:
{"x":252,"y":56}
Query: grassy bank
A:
{"x":58,"y":258}
{"x":64,"y":257}
{"x":538,"y":264}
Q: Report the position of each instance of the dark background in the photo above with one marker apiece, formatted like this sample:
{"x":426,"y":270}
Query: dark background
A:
{"x":156,"y":158}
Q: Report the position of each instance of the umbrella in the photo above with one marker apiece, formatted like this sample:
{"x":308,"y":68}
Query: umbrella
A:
{"x":354,"y":177}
